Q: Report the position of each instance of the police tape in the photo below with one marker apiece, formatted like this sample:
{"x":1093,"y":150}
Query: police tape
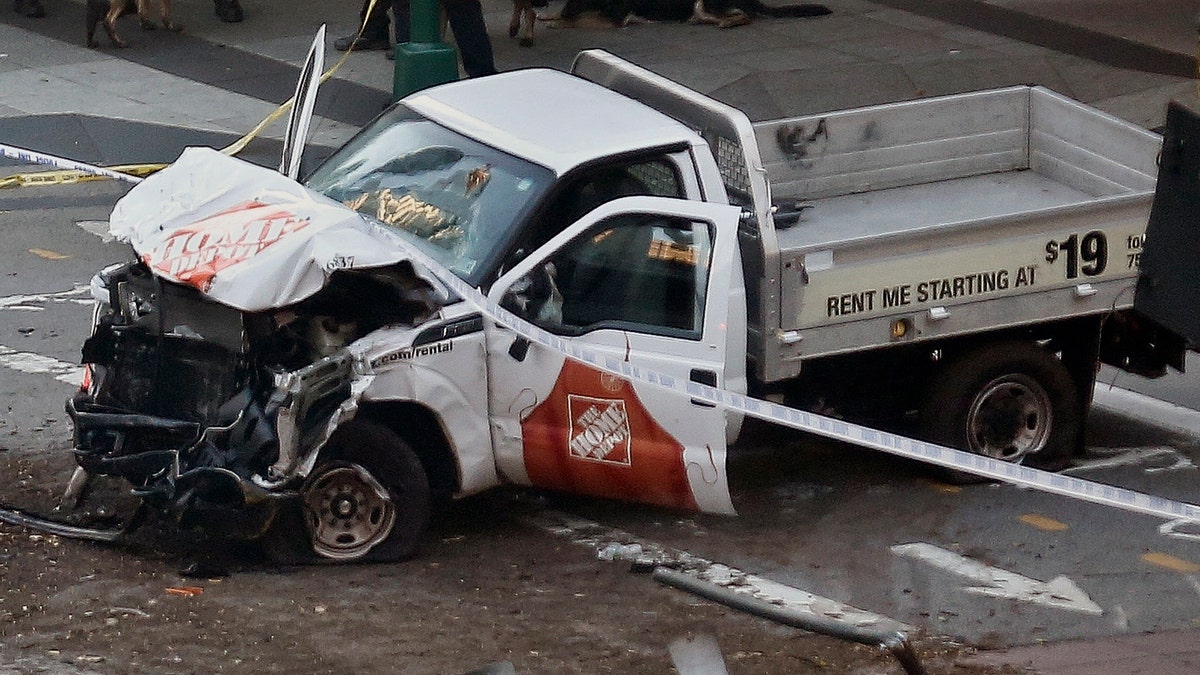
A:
{"x":238,"y":145}
{"x":71,"y":171}
{"x":69,"y":167}
{"x":67,"y":177}
{"x":814,"y":423}
{"x":821,"y":425}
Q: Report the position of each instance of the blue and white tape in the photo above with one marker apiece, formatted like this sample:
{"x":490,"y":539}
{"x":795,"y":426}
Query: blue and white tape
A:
{"x":802,"y":420}
{"x":33,"y":157}
{"x":821,"y":425}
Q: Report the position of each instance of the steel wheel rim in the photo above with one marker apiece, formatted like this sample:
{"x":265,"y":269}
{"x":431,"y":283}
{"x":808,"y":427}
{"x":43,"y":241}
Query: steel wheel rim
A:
{"x":1010,"y":419}
{"x":347,"y":512}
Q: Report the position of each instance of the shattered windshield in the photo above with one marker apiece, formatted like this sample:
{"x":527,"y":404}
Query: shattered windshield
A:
{"x":458,"y":199}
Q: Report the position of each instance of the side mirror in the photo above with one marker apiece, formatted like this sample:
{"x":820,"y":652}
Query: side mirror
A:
{"x":535,"y":297}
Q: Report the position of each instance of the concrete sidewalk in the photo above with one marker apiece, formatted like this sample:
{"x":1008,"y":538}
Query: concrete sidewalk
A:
{"x":216,"y":81}
{"x":225,"y":78}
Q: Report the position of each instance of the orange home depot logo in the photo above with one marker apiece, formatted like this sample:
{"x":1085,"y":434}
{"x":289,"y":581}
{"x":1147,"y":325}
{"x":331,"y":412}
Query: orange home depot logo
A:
{"x":599,"y":429}
{"x":592,"y":435}
{"x":195,"y":253}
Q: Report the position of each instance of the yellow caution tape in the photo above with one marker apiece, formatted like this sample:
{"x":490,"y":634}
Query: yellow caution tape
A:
{"x":240,"y":144}
{"x":69,"y":176}
{"x":64,"y":177}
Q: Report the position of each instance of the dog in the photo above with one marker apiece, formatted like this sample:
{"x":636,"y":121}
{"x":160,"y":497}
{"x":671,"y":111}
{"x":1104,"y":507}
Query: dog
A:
{"x":523,"y":18}
{"x":721,"y":13}
{"x":108,"y":11}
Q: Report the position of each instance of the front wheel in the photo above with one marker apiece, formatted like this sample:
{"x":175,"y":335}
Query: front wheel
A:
{"x":368,"y":499}
{"x":1011,"y":401}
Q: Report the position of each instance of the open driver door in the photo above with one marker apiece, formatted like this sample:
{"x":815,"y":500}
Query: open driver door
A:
{"x":643,"y":283}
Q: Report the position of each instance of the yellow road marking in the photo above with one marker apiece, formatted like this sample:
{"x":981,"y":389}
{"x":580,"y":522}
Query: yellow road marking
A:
{"x":1171,"y":562}
{"x":945,"y":487}
{"x":48,"y":255}
{"x":1043,"y":523}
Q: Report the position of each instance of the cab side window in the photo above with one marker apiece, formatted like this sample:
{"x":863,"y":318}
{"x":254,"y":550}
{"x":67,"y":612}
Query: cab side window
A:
{"x":646,"y":273}
{"x":655,"y":177}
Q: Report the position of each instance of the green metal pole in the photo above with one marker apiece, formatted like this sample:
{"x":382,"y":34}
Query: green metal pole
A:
{"x":425,"y":60}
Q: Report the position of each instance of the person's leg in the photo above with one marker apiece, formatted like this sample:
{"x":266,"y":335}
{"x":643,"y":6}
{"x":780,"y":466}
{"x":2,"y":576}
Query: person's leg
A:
{"x":377,"y":23}
{"x":470,"y":33}
{"x":30,"y":8}
{"x":401,"y":20}
{"x":229,"y":11}
{"x":374,"y":32}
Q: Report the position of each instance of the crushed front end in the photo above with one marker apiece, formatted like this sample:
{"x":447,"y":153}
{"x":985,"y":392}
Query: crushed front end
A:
{"x":212,"y":413}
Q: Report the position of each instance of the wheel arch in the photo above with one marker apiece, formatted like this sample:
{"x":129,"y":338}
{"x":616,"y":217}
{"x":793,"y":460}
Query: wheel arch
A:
{"x":421,"y":428}
{"x":1039,"y":371}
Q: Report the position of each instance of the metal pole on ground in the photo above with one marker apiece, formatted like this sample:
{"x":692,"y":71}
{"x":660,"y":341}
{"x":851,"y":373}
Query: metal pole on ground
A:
{"x":424,"y":60}
{"x":894,"y":642}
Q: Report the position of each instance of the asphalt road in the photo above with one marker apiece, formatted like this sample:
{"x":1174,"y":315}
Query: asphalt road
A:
{"x":992,"y":565}
{"x":1178,"y":388}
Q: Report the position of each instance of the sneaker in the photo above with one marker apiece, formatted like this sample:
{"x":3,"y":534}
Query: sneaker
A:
{"x":30,"y":8}
{"x":229,"y":11}
{"x":360,"y":43}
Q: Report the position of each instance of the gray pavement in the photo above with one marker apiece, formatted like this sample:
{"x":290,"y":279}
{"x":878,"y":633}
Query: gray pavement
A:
{"x":216,"y":81}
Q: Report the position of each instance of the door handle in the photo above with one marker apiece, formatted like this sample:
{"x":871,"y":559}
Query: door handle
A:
{"x":519,"y":348}
{"x":706,"y":377}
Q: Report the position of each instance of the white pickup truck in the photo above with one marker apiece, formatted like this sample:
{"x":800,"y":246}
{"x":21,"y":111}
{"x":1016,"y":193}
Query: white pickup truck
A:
{"x":273,"y":359}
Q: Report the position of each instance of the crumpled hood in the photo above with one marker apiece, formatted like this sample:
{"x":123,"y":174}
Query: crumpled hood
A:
{"x":247,"y":236}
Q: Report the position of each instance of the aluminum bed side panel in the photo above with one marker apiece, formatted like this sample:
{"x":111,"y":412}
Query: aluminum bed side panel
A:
{"x":1089,"y":149}
{"x":975,"y":277}
{"x":897,"y":144}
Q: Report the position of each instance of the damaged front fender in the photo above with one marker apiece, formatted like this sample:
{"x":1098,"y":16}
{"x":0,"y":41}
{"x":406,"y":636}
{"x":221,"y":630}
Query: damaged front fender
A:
{"x":225,"y":355}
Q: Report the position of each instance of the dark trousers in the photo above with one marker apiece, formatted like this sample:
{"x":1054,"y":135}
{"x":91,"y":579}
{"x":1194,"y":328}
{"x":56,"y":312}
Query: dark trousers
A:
{"x":466,"y":22}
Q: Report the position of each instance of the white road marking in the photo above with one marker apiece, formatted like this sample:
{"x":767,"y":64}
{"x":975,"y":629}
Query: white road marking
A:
{"x":36,"y":364}
{"x":1153,"y":410}
{"x":1114,"y":457}
{"x":79,"y":295}
{"x":1060,"y":592}
{"x":96,"y":227}
{"x":1194,"y":581}
{"x":613,"y":544}
{"x":697,"y":655}
{"x":1119,"y":618}
{"x":1170,"y":528}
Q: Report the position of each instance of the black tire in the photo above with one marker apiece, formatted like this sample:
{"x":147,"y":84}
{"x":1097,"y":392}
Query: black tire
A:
{"x":368,"y":499}
{"x":1011,"y":401}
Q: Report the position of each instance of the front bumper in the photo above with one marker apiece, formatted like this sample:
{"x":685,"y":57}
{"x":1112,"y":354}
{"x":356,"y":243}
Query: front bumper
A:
{"x":132,"y":446}
{"x":146,"y":451}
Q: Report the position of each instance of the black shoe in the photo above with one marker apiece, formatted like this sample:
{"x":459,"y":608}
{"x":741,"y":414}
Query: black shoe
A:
{"x":229,"y":11}
{"x":360,"y":43}
{"x":30,"y":8}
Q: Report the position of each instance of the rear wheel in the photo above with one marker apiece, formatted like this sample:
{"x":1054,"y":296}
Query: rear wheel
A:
{"x":368,"y":499}
{"x":1010,"y":401}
